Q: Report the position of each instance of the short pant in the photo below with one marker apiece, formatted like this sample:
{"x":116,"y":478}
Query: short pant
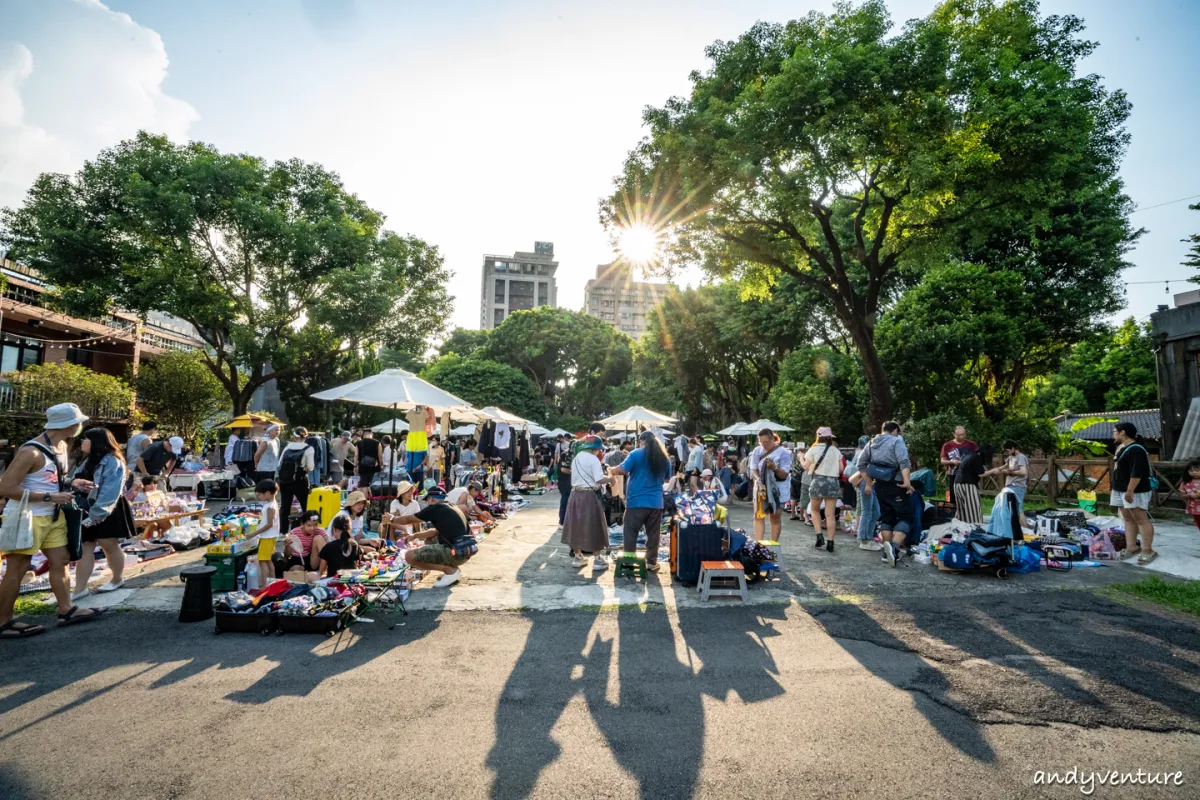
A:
{"x":266,"y":548}
{"x":47,"y":533}
{"x":438,"y":553}
{"x":1140,"y":500}
{"x":824,"y":487}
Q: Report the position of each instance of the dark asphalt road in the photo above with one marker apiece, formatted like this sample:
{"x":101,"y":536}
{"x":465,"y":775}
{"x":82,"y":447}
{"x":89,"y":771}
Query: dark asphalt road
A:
{"x":962,"y":698}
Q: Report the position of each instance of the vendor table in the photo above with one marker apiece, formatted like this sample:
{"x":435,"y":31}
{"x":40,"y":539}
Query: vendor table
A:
{"x":140,"y":523}
{"x":381,"y":584}
{"x":190,"y":480}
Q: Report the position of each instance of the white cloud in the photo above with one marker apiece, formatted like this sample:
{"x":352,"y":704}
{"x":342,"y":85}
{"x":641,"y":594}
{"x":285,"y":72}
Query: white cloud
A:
{"x":74,"y":79}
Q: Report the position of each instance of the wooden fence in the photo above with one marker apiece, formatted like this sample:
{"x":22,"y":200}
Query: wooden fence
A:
{"x":1058,"y":480}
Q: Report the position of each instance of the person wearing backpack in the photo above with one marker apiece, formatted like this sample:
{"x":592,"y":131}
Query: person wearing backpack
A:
{"x":1132,"y":490}
{"x":295,"y":463}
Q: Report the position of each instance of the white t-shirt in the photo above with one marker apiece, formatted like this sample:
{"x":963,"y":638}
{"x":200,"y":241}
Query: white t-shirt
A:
{"x":586,"y":470}
{"x":455,"y":495}
{"x":831,"y":465}
{"x":233,"y":440}
{"x":356,"y":523}
{"x":403,"y":511}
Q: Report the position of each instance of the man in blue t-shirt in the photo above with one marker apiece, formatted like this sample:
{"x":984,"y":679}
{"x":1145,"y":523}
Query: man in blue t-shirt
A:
{"x":648,"y":469}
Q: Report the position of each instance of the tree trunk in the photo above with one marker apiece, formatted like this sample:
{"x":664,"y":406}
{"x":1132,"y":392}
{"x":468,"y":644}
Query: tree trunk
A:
{"x":879,"y":387}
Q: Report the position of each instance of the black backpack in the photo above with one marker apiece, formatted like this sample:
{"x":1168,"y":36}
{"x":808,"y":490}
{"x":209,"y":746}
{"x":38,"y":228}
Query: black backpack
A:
{"x":291,"y":466}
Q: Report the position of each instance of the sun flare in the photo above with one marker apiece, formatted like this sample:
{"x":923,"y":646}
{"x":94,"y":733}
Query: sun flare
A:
{"x":639,"y":244}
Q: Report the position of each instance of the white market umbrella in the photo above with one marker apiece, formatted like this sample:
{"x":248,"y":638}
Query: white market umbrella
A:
{"x":758,"y":425}
{"x":463,"y":430}
{"x":736,"y":429}
{"x":395,"y":388}
{"x":636,"y":416}
{"x":536,"y":430}
{"x":557,"y":432}
{"x":390,"y":426}
{"x":500,"y":415}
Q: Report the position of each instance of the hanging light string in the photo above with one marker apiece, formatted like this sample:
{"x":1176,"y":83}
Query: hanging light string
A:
{"x":54,"y":344}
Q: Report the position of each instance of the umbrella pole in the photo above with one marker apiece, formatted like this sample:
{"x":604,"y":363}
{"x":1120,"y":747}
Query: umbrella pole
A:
{"x":395,"y":445}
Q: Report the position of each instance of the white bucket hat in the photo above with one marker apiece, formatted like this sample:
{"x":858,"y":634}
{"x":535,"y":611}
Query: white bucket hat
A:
{"x":64,"y":415}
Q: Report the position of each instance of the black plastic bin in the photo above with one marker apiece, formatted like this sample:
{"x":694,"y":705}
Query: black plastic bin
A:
{"x":327,"y":625}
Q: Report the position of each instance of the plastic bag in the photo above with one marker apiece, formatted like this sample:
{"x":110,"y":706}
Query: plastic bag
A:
{"x":1025,"y":559}
{"x":1087,"y":500}
{"x":1101,"y":546}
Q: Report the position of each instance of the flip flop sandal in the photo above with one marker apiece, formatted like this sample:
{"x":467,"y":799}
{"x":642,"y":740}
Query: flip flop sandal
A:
{"x":1143,"y":560}
{"x":15,"y":629}
{"x":1125,"y":555}
{"x":73,"y":617}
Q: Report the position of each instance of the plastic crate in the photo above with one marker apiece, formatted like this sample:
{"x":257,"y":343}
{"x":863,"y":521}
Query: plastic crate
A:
{"x":228,"y":569}
{"x":229,"y":622}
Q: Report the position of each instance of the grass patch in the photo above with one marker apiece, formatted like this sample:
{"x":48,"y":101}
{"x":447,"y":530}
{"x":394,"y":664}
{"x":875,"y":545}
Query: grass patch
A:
{"x":35,"y":604}
{"x":1181,"y":595}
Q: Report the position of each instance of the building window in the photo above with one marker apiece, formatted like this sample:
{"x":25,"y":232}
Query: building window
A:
{"x":500,"y":290}
{"x":543,"y":269}
{"x":543,"y":294}
{"x":520,"y":295}
{"x":78,"y":356}
{"x":499,"y":266}
{"x":497,"y":317}
{"x":20,"y":354}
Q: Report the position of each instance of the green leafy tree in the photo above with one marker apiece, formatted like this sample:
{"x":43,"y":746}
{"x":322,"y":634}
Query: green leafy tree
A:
{"x":721,"y":349}
{"x":487,"y":383}
{"x":297,"y":392}
{"x":464,"y":342}
{"x":1111,"y":371}
{"x":571,"y":357}
{"x":820,"y":386}
{"x":280,"y":268}
{"x":181,"y":393}
{"x":926,"y":436}
{"x":852,"y":157}
{"x":36,"y":388}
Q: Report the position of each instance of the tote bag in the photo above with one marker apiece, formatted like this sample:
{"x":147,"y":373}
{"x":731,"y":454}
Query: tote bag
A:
{"x":17,"y":531}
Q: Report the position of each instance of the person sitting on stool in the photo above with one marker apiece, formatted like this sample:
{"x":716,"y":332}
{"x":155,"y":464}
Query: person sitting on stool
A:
{"x":449,"y":529}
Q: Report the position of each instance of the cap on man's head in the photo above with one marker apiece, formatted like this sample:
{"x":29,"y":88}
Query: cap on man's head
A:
{"x":176,"y":443}
{"x":436,"y":493}
{"x":64,"y":415}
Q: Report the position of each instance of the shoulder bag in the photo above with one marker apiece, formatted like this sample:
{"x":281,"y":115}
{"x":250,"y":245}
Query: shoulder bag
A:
{"x":878,"y":472}
{"x":17,"y":531}
{"x":70,"y":511}
{"x":1152,"y":481}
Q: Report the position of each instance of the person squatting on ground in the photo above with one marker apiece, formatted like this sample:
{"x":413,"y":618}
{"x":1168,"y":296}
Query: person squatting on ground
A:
{"x":453,"y":546}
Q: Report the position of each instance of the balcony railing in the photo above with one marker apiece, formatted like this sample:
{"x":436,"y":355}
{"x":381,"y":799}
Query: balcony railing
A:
{"x":17,"y":399}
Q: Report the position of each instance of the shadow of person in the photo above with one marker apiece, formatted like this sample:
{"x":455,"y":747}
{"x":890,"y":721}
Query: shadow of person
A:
{"x":541,"y":685}
{"x":732,"y":647}
{"x":655,"y":728}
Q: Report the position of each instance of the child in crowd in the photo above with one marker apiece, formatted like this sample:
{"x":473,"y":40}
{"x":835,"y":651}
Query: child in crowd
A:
{"x":303,"y":545}
{"x":268,"y":529}
{"x":1191,"y":491}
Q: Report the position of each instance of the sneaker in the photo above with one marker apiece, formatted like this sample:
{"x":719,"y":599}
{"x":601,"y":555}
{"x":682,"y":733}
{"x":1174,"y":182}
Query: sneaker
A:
{"x":889,"y":554}
{"x":110,"y":586}
{"x":449,"y":579}
{"x":653,"y":567}
{"x":870,"y":545}
{"x":829,"y":546}
{"x":578,"y":562}
{"x":600,"y":562}
{"x":820,"y":541}
{"x":82,"y":593}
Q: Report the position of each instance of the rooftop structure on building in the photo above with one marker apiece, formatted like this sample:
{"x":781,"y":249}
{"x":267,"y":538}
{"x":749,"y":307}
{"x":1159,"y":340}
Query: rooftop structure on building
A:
{"x":615,"y":297}
{"x":518,"y":282}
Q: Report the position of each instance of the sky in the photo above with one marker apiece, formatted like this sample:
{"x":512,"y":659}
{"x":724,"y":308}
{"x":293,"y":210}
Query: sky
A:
{"x":484,"y":126}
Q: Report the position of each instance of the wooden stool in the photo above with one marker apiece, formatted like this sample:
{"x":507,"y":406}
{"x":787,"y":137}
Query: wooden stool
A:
{"x":631,"y":564}
{"x":722,"y":570}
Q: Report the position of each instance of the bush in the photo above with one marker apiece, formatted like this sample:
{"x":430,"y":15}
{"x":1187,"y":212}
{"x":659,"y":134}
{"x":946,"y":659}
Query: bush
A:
{"x":43,"y":385}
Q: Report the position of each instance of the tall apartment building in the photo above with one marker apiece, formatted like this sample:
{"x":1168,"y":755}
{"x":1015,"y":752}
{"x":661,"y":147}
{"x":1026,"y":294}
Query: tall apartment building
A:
{"x":622,"y":302}
{"x":516,"y":283}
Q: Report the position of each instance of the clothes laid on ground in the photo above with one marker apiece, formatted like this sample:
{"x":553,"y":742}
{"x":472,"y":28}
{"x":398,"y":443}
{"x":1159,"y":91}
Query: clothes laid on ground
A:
{"x":337,"y":555}
{"x":1016,"y":461}
{"x":450,"y":523}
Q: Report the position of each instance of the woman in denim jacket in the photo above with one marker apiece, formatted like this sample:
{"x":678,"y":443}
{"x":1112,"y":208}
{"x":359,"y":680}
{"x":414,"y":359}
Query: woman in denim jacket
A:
{"x":98,"y":481}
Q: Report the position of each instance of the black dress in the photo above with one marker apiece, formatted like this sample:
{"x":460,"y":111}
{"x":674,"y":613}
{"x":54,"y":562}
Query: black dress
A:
{"x":117,"y":525}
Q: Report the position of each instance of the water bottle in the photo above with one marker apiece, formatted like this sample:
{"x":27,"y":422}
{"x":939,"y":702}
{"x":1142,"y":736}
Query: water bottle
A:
{"x":241,"y":581}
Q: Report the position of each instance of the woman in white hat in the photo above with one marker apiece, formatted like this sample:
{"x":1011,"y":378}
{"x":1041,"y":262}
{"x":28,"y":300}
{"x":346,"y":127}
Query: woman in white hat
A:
{"x":39,"y":468}
{"x":405,"y":503}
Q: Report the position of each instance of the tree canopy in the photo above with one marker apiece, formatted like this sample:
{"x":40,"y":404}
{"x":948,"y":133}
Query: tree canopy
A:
{"x":852,"y":158}
{"x":1113,"y":370}
{"x":280,"y":268}
{"x":181,"y":393}
{"x":486,"y":383}
{"x":571,"y":357}
{"x":464,"y":342}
